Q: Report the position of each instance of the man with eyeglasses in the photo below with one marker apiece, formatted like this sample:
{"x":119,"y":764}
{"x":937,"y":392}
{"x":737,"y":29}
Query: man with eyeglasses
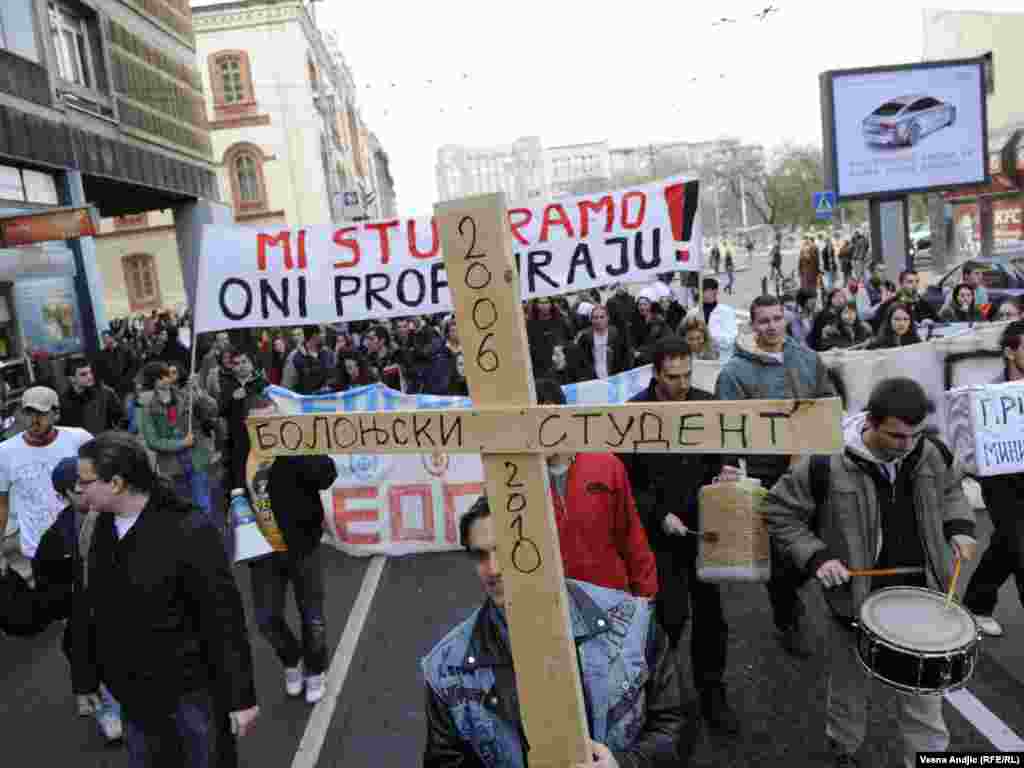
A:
{"x":892,"y":499}
{"x":163,"y":624}
{"x":27,"y":460}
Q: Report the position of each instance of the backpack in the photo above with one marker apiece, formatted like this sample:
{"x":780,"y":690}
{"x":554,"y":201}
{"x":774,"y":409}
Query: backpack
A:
{"x":821,"y":471}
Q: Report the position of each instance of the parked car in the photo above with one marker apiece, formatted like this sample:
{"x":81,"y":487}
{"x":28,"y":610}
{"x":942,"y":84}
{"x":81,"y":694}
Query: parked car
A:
{"x":907,"y":120}
{"x":1000,"y":281}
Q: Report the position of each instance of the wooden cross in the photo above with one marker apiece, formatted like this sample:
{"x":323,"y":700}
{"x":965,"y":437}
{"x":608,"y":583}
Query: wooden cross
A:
{"x":513,"y":435}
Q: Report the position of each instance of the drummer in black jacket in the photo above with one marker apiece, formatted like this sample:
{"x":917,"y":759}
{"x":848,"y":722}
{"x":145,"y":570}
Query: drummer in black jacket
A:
{"x":294,"y":484}
{"x":665,"y":486}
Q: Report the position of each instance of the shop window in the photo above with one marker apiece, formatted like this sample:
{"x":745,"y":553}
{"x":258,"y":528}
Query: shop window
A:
{"x":231,"y":81}
{"x":141,"y":281}
{"x":77,"y":42}
{"x":244,"y":163}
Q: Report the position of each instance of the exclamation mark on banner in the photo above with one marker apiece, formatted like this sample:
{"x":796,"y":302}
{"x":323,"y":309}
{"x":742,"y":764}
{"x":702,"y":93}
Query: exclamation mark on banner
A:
{"x":681,"y":200}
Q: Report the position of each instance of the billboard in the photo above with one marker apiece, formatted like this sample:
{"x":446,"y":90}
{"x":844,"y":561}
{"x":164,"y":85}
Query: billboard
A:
{"x":902,"y":129}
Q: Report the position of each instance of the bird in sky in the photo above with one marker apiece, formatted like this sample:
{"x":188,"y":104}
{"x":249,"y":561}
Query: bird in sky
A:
{"x":723,"y":20}
{"x":762,"y":15}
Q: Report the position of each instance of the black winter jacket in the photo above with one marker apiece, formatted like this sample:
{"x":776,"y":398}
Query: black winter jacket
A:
{"x":162,"y":614}
{"x":294,"y":485}
{"x":669,"y":482}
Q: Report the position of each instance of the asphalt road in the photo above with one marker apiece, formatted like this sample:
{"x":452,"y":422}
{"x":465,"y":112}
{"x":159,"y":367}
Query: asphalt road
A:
{"x":379,"y":714}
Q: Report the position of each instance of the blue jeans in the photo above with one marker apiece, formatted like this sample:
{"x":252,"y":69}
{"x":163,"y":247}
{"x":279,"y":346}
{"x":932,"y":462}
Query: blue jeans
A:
{"x":196,"y":734}
{"x":270,"y":578}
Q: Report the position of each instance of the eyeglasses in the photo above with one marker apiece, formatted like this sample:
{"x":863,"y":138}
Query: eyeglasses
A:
{"x":80,"y":483}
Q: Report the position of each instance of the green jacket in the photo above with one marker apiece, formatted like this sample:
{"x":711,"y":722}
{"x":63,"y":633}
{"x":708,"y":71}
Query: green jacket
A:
{"x":848,"y":526}
{"x":167,"y":440}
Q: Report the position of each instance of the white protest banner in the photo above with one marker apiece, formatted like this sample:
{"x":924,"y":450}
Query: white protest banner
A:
{"x":400,"y":504}
{"x":256,"y":278}
{"x":997,"y":426}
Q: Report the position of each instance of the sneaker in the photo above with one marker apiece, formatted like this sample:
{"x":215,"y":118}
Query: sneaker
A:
{"x":717,"y":712}
{"x":989,"y":626}
{"x":293,"y":680}
{"x":110,"y":724}
{"x":315,"y":685}
{"x":795,"y":642}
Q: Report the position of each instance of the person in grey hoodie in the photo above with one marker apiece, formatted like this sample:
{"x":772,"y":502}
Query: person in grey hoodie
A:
{"x":894,"y":498}
{"x":775,"y":367}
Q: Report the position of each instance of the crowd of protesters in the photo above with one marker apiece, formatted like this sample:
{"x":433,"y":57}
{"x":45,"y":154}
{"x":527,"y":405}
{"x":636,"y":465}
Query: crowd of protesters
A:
{"x":171,"y":424}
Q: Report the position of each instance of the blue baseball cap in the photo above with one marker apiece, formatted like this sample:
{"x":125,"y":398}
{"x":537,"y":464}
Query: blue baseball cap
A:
{"x":65,"y":475}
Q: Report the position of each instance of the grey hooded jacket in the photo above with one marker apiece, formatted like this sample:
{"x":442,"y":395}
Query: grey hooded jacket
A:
{"x":848,"y":525}
{"x":754,"y":375}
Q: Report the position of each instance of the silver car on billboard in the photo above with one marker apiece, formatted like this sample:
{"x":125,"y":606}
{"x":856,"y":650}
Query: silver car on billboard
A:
{"x":907,"y":119}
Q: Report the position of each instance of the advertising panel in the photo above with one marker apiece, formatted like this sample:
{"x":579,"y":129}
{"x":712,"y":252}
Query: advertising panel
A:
{"x":896,"y":130}
{"x":48,"y":314}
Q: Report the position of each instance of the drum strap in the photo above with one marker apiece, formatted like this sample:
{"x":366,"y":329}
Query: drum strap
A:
{"x":821,"y":473}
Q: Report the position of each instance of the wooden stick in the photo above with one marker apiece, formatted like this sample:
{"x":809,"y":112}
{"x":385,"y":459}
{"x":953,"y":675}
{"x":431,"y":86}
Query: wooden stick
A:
{"x":952,"y":582}
{"x":899,"y":571}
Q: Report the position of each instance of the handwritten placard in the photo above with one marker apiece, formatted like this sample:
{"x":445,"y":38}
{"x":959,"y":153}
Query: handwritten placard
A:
{"x":997,"y":416}
{"x":747,"y":426}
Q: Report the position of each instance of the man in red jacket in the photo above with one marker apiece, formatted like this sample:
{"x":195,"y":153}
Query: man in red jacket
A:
{"x":600,"y":534}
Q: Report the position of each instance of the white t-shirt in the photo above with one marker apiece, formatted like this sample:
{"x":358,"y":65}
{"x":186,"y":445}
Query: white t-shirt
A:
{"x":25,"y":477}
{"x":601,"y":355}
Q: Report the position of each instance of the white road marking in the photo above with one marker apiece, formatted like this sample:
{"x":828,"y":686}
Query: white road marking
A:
{"x":981,"y":717}
{"x":323,"y":712}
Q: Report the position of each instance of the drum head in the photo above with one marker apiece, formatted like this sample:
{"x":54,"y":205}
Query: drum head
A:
{"x":918,"y":619}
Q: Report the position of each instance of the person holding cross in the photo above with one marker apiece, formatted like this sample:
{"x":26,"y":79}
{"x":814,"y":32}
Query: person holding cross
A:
{"x":666,"y":487}
{"x":630,"y":680}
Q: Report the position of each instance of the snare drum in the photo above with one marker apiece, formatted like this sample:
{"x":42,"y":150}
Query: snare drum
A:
{"x":910,"y":640}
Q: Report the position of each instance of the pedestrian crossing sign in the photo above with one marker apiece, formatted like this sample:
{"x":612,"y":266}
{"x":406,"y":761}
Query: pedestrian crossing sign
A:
{"x":824,"y":203}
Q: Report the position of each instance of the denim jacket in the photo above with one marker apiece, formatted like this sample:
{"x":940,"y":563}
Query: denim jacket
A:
{"x":630,"y":686}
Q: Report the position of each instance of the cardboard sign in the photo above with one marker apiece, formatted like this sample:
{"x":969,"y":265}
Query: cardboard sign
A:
{"x":997,"y":423}
{"x":252,"y":278}
{"x":741,"y":426}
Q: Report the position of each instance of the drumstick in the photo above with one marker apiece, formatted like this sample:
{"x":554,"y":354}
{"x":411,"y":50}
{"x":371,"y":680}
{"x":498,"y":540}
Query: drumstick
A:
{"x":952,"y":582}
{"x":900,"y":571}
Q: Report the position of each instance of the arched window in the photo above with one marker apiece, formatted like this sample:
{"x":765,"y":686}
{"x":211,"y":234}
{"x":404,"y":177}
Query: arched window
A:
{"x":247,"y":179}
{"x":141,"y":281}
{"x":231,"y":83}
{"x":244,"y":165}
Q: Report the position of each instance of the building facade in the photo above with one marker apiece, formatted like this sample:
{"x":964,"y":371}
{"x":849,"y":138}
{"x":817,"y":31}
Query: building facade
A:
{"x":285,"y":132}
{"x":577,"y":169}
{"x":988,"y":221}
{"x":101,"y":103}
{"x":517,"y":169}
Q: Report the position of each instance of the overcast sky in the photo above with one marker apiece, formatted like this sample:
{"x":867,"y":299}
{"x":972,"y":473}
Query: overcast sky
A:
{"x":572,"y":72}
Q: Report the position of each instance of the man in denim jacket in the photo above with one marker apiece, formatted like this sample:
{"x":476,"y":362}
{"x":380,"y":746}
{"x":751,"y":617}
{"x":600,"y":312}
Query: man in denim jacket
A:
{"x":635,"y":711}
